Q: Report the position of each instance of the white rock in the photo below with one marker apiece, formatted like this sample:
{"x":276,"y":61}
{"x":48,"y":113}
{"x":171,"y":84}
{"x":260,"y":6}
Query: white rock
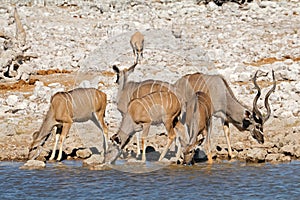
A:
{"x":41,"y":91}
{"x":270,"y":4}
{"x":286,"y":86}
{"x":33,"y":164}
{"x":285,"y":114}
{"x":297,"y":87}
{"x":12,"y":100}
{"x":85,"y":84}
{"x":2,"y":101}
{"x":54,"y":85}
{"x":84,"y":153}
{"x":32,"y":106}
{"x":55,"y":90}
{"x":212,"y":6}
{"x":22,"y":105}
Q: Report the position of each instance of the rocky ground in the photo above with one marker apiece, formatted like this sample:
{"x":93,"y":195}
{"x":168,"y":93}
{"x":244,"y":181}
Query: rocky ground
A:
{"x":78,"y":42}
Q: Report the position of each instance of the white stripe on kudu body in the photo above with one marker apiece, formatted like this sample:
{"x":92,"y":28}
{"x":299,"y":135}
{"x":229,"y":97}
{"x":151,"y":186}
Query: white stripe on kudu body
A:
{"x":78,"y":105}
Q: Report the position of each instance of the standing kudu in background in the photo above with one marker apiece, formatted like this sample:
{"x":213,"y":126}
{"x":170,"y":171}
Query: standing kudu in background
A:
{"x":226,"y":106}
{"x":137,"y":44}
{"x":198,"y":120}
{"x":154,"y":108}
{"x":129,"y":90}
{"x":78,"y":105}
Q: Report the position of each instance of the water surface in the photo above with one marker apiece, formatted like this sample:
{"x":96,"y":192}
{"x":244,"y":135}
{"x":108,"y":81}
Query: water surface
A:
{"x":227,"y":180}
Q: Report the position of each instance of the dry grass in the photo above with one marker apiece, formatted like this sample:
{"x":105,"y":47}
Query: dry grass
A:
{"x":64,"y":77}
{"x":53,"y":71}
{"x":272,"y":60}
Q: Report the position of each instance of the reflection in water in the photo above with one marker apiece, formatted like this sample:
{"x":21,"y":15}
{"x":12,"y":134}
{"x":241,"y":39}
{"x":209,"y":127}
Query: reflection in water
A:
{"x":227,"y":180}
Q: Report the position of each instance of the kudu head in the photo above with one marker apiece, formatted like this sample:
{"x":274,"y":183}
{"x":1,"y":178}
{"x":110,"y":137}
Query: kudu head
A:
{"x":189,"y":152}
{"x":122,"y":75}
{"x":254,"y":121}
{"x":36,"y":145}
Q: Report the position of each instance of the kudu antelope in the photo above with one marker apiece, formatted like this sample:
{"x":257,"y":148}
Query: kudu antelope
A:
{"x":198,"y":120}
{"x":226,"y":106}
{"x":78,"y":105}
{"x":154,"y":108}
{"x":129,"y":90}
{"x":137,"y":44}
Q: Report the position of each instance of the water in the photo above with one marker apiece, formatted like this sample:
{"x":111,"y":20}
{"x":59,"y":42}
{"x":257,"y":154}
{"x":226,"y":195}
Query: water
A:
{"x":228,"y":180}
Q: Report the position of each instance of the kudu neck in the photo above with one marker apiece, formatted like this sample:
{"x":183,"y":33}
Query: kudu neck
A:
{"x":46,"y":127}
{"x":235,"y":111}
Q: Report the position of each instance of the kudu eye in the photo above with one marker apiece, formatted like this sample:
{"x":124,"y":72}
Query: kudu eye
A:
{"x":257,"y":119}
{"x":259,"y":127}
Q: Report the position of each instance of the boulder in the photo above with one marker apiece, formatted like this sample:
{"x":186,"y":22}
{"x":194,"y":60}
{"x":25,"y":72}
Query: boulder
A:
{"x":83,"y":153}
{"x":12,"y":100}
{"x":272,"y":157}
{"x":95,"y":159}
{"x":291,"y":149}
{"x":33,"y":164}
{"x":284,"y":158}
{"x":100,"y":167}
{"x":256,"y":155}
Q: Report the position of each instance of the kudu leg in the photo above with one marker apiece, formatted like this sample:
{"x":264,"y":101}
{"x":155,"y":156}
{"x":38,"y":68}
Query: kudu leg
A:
{"x":65,"y":130}
{"x":144,"y":136}
{"x":227,"y":135}
{"x":138,"y":151}
{"x":137,"y":58}
{"x":171,"y":137}
{"x":207,"y":147}
{"x":103,"y":126}
{"x":57,"y":136}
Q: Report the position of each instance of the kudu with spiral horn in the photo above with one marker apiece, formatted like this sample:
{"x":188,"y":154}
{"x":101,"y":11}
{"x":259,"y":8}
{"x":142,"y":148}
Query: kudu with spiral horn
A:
{"x":259,"y":119}
{"x":225,"y":105}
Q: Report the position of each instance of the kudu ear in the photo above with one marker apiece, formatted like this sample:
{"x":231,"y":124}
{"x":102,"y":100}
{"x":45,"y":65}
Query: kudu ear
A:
{"x":117,"y":70}
{"x":247,"y":120}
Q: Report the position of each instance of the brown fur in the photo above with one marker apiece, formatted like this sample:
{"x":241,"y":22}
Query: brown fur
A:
{"x":131,"y":90}
{"x":225,"y":105}
{"x":198,"y":120}
{"x":137,"y":44}
{"x":78,"y":105}
{"x":154,"y":108}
